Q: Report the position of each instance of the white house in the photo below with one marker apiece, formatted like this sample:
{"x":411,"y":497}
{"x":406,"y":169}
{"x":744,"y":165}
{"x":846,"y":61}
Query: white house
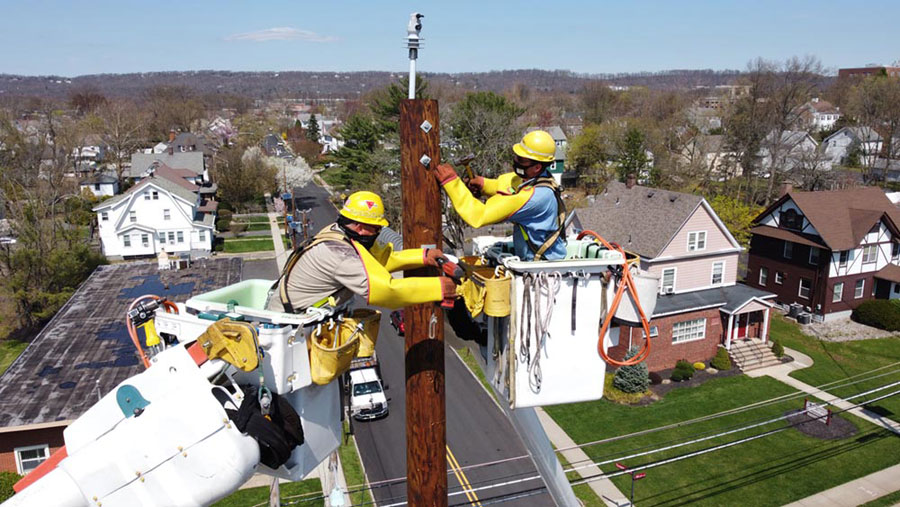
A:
{"x":101,"y":185}
{"x":839,"y":145}
{"x":792,"y":149}
{"x":821,"y":114}
{"x":157,"y":213}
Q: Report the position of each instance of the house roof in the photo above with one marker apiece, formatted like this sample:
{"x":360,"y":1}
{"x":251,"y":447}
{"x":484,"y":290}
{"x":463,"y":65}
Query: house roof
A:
{"x":161,"y":182}
{"x":190,"y":160}
{"x":176,"y":176}
{"x":188,"y":139}
{"x":822,"y":106}
{"x":859,"y":134}
{"x":788,"y":235}
{"x":710,"y":144}
{"x":102,"y":179}
{"x":85,"y":350}
{"x":727,"y":299}
{"x":891,"y":273}
{"x":843,"y":217}
{"x":643,"y":220}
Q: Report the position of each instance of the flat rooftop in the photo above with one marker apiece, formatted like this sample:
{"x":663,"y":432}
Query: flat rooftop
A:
{"x":85,"y":351}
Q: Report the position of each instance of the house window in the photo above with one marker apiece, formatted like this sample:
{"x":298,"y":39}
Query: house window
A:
{"x":814,"y":256}
{"x":689,"y":330}
{"x":167,"y":215}
{"x":790,"y":219}
{"x":718,"y":272}
{"x":763,"y":276}
{"x":696,"y":241}
{"x":146,"y":196}
{"x":162,"y":238}
{"x":788,"y":250}
{"x":97,"y":187}
{"x":180,"y":237}
{"x":104,"y":216}
{"x":668,"y":281}
{"x":896,"y":288}
{"x":132,"y":216}
{"x":805,"y":288}
{"x":779,"y":277}
{"x":202,"y":235}
{"x":860,"y":287}
{"x":28,"y":458}
{"x":126,"y":241}
{"x":155,"y":195}
{"x":654,"y":332}
{"x":145,"y":240}
{"x":838,"y":292}
{"x":171,"y":237}
{"x":845,"y":256}
{"x":870,"y":253}
{"x":895,"y":252}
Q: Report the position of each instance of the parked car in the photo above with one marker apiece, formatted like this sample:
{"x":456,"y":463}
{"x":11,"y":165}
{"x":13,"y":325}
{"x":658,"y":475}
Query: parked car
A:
{"x":397,"y":322}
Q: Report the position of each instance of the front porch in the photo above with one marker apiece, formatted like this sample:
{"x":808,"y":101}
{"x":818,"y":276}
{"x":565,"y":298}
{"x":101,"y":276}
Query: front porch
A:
{"x":750,"y":321}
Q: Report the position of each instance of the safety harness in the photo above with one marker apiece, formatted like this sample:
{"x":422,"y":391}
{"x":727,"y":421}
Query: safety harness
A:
{"x":326,"y":234}
{"x":546,"y":182}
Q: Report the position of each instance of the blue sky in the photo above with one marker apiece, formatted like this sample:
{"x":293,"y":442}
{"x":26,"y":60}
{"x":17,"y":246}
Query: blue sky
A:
{"x":73,"y":38}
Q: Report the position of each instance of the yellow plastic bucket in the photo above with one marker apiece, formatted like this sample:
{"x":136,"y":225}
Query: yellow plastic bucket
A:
{"x":497,"y":293}
{"x":371,"y":320}
{"x":333,"y":347}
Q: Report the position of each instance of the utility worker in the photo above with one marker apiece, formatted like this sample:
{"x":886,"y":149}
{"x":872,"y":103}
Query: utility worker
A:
{"x":528,"y":197}
{"x":343,"y":259}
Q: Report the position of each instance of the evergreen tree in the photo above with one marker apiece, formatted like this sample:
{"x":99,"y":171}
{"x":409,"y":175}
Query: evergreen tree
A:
{"x":634,"y":378}
{"x":633,"y":159}
{"x":385,"y":103}
{"x":357,"y":156}
{"x":312,"y":131}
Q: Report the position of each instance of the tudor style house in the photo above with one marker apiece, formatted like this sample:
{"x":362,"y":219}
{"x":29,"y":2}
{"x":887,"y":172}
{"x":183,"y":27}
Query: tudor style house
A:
{"x":680,"y":239}
{"x":827,"y":251}
{"x":164,"y":211}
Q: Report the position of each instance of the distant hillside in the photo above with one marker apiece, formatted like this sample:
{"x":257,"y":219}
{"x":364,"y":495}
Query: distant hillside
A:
{"x":268,"y":85}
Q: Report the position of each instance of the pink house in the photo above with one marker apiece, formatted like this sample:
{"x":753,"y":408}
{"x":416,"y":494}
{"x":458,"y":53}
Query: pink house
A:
{"x":681,"y":239}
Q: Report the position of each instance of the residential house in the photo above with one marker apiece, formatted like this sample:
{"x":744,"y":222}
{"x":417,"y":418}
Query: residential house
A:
{"x":820,"y":114}
{"x":794,"y":149}
{"x":142,"y":164}
{"x":101,"y":185}
{"x":828,"y":251}
{"x":709,"y":154}
{"x":162,"y":211}
{"x":886,"y":169}
{"x":680,"y":239}
{"x":562,"y":143}
{"x":864,"y":140}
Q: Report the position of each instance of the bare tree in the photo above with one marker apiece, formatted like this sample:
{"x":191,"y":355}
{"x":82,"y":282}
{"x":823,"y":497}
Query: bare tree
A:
{"x":122,"y":130}
{"x":875,"y":103}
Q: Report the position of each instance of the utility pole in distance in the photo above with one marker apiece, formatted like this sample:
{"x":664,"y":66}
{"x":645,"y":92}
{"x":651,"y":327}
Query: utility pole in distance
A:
{"x":426,"y":417}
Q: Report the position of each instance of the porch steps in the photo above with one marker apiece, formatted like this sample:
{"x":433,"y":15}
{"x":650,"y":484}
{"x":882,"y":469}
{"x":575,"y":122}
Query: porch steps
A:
{"x":751,"y":354}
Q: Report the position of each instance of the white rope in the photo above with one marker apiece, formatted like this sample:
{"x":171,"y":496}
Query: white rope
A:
{"x":546,"y":286}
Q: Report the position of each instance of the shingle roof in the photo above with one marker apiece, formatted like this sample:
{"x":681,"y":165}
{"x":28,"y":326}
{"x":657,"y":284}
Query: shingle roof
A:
{"x":842,"y":217}
{"x":891,"y":273}
{"x":162,"y":182}
{"x":727,"y":299}
{"x":190,"y":160}
{"x":103,"y":179}
{"x":643,"y":220}
{"x":176,"y":176}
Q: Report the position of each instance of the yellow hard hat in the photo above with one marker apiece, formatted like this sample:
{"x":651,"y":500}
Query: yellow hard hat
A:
{"x":536,"y":145}
{"x":365,"y":207}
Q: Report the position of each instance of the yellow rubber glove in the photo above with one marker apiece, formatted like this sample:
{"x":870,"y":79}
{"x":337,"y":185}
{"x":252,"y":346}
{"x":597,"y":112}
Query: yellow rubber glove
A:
{"x":390,"y":292}
{"x":477,"y":214}
{"x":506,"y":184}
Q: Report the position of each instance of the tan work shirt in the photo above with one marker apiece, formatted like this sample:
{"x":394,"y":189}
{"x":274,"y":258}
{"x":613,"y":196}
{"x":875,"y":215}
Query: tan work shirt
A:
{"x":329,"y":268}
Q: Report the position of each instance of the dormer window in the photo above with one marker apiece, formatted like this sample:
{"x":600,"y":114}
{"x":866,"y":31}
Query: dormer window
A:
{"x":696,"y":241}
{"x":791,"y":219}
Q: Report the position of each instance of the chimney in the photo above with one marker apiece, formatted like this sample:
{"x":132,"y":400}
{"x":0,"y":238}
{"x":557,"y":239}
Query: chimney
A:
{"x":786,"y":188}
{"x":630,"y":180}
{"x":172,"y":136}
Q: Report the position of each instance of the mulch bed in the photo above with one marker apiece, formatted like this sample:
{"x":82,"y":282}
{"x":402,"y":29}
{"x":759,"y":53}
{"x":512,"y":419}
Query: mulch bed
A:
{"x":699,"y":378}
{"x":838,"y":428}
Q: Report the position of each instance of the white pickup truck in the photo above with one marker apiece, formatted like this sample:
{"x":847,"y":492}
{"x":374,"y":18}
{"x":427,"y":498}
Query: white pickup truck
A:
{"x":367,"y":399}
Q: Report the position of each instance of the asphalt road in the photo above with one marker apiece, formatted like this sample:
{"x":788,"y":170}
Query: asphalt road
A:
{"x":477,"y":431}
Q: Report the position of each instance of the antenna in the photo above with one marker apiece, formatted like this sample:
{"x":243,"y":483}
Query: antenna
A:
{"x":413,"y":43}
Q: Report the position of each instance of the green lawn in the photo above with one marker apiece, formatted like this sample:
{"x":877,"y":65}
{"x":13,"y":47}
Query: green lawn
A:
{"x":9,"y":351}
{"x":773,"y":470}
{"x":885,"y":501}
{"x":253,"y":220}
{"x":256,"y":226}
{"x":353,"y":471}
{"x":239,"y":245}
{"x":840,"y":360}
{"x":255,"y":496}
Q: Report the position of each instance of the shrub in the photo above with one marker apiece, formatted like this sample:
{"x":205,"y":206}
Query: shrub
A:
{"x":683,"y":371}
{"x":721,"y":362}
{"x":655,"y":378}
{"x":7,"y":479}
{"x":699,"y":366}
{"x":238,"y":228}
{"x":777,"y":348}
{"x":634,"y":378}
{"x":616,"y":396}
{"x":880,"y":313}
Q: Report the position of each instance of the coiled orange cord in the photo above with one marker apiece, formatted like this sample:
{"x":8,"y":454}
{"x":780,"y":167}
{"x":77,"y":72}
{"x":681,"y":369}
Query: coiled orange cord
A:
{"x":169,"y":306}
{"x":626,"y":282}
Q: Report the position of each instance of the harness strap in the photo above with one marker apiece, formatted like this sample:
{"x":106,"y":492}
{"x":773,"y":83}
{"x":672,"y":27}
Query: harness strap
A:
{"x":324,"y":235}
{"x":560,"y":217}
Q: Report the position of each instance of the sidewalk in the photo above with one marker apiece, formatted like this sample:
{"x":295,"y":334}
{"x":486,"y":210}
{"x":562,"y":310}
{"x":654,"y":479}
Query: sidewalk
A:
{"x":855,"y":492}
{"x":281,"y":254}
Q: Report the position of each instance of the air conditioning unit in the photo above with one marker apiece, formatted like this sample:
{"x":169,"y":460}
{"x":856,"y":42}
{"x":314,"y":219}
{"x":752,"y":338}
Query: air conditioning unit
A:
{"x":670,"y":290}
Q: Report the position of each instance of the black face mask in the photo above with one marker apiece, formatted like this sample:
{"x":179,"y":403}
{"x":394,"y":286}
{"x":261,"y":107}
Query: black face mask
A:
{"x":520,"y":169}
{"x":367,"y":241}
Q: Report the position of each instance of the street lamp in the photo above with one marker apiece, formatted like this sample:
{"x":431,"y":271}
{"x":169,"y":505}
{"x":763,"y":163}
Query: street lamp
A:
{"x":634,"y":477}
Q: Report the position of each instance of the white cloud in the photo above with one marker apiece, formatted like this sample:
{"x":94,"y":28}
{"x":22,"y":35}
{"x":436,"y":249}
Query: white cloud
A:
{"x":281,"y":33}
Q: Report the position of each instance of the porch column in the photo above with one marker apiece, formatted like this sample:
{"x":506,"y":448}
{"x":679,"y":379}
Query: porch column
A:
{"x":730,"y":328}
{"x":765,"y":328}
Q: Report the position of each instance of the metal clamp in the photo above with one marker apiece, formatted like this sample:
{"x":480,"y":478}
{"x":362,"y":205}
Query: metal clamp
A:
{"x":425,"y":160}
{"x":432,"y":326}
{"x":426,"y":126}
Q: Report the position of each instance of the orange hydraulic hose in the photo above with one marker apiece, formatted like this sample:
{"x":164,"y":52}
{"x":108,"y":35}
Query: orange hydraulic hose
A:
{"x":628,"y":283}
{"x":169,"y":306}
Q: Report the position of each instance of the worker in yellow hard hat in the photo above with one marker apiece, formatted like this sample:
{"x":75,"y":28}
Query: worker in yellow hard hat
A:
{"x":344,"y":259}
{"x":528,"y":197}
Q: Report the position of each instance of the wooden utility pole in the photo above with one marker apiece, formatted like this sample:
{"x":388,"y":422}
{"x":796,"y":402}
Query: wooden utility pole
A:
{"x":426,"y":422}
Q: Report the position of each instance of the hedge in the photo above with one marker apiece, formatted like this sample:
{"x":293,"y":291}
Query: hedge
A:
{"x":880,"y":313}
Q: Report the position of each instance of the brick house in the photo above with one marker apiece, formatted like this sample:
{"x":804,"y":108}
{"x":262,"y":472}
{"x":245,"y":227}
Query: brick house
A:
{"x":828,"y":251}
{"x":681,"y":239}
